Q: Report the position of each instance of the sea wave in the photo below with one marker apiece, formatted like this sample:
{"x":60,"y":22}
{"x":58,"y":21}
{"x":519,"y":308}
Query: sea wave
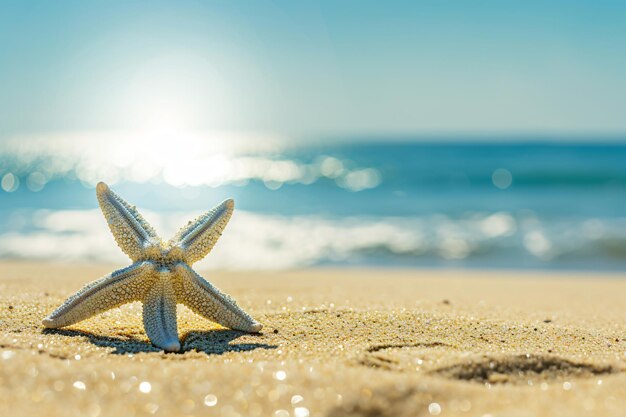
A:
{"x":259,"y":241}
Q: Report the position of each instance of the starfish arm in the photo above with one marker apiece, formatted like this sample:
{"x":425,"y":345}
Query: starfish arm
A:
{"x":159,"y":314}
{"x":131,"y":231}
{"x":206,"y":300}
{"x":120,"y":287}
{"x":198,"y":237}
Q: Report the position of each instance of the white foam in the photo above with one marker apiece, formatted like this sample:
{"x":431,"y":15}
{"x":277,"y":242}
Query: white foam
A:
{"x":259,"y":241}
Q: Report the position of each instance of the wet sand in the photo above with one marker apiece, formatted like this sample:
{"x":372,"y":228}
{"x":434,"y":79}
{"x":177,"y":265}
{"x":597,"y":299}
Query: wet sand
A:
{"x":335,"y":343}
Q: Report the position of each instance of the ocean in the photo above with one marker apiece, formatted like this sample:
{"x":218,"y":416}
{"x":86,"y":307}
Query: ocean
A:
{"x":411,"y":204}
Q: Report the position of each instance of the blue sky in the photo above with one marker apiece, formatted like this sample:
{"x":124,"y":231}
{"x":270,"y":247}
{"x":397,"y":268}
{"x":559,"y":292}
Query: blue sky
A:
{"x":314,"y":68}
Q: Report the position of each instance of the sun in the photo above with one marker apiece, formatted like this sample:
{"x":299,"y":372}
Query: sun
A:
{"x":173,"y":92}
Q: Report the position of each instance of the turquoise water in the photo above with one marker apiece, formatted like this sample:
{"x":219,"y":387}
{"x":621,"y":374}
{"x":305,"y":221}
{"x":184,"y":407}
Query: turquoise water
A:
{"x":398,"y":204}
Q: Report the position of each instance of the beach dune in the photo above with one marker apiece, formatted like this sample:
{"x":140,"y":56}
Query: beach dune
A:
{"x":335,"y":343}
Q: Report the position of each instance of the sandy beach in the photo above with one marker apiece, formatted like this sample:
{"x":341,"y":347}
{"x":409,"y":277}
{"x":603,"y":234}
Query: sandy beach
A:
{"x":335,"y":343}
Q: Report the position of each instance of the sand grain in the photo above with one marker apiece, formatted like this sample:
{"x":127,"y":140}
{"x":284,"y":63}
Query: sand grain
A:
{"x":336,"y":343}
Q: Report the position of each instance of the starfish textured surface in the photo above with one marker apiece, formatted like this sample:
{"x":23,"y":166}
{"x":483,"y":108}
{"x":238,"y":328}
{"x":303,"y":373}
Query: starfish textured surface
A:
{"x":160,"y":275}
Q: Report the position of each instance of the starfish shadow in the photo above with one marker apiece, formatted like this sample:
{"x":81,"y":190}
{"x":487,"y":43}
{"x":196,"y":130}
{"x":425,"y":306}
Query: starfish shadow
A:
{"x":120,"y":345}
{"x":212,"y":342}
{"x":216,"y":342}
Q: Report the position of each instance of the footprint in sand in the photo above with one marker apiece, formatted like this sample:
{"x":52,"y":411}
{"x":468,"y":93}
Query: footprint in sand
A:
{"x":520,"y":369}
{"x":441,"y":360}
{"x":405,"y":357}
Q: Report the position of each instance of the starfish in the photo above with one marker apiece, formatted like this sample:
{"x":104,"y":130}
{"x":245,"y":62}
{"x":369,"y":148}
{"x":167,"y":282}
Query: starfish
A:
{"x":160,"y":275}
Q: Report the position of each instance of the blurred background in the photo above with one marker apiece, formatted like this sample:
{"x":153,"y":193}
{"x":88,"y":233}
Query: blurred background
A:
{"x":484,"y":134}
